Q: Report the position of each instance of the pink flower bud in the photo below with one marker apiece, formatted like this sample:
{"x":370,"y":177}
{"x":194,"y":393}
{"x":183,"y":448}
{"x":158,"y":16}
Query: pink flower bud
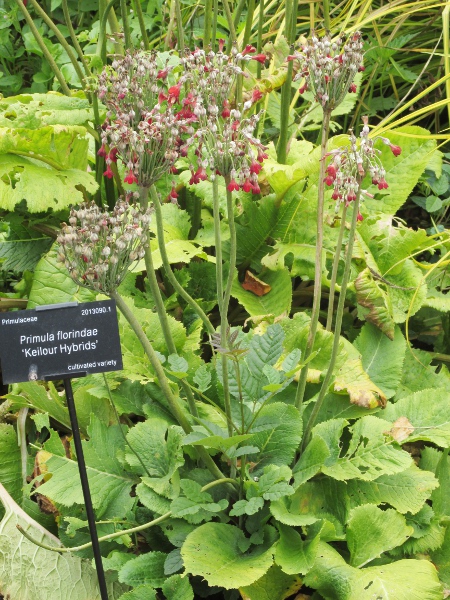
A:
{"x":102,"y":151}
{"x":329,"y":180}
{"x":247,"y":187}
{"x":352,"y":88}
{"x":255,"y":167}
{"x":249,"y":49}
{"x":396,"y":150}
{"x":359,"y":217}
{"x":108,"y":173}
{"x":261,"y":58}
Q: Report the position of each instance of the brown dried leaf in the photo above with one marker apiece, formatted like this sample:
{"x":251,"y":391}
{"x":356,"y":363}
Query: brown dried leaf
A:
{"x":256,"y":286}
{"x":401,"y":429}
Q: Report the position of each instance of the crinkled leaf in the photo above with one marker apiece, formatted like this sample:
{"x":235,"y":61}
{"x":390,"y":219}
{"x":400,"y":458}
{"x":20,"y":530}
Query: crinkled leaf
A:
{"x":376,"y":303}
{"x":213,"y":551}
{"x":10,"y":462}
{"x":38,"y":110}
{"x":157,"y":445}
{"x":28,"y":572}
{"x":372,"y":531}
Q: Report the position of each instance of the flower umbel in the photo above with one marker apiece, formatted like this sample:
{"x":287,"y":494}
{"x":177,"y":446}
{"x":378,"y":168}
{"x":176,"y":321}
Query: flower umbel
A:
{"x":98,"y":247}
{"x":329,"y":67}
{"x":224,"y":140}
{"x":142,"y":127}
{"x":349,"y":166}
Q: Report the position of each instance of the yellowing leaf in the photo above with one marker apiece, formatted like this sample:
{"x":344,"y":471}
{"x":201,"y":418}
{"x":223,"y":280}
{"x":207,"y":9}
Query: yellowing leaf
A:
{"x":353,"y":380}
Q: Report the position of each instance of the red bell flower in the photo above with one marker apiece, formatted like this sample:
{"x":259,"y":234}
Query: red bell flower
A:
{"x":108,"y":173}
{"x":396,"y":150}
{"x":131,"y":177}
{"x":233,"y":186}
{"x":261,"y":58}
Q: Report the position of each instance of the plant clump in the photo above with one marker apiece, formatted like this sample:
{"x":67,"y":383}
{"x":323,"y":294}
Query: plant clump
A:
{"x":98,"y":247}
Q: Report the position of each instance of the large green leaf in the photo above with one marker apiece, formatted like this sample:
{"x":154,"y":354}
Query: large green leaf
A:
{"x":441,"y":559}
{"x":146,"y":569}
{"x":220,"y":554}
{"x":372,"y":531}
{"x":22,"y":247}
{"x":274,"y":585}
{"x":32,"y":111}
{"x":53,"y":285}
{"x":405,"y":491}
{"x":34,"y":395}
{"x":294,"y":555}
{"x":418,"y":374}
{"x":276,"y":302}
{"x":10,"y":462}
{"x":28,"y":572}
{"x":382,"y":358}
{"x":401,"y":580}
{"x":109,"y":483}
{"x":368,"y":456}
{"x":427,"y":412}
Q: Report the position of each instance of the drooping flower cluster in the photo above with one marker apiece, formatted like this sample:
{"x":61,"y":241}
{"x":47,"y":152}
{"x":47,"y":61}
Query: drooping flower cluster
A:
{"x":142,"y":127}
{"x":98,"y":247}
{"x":224,"y":140}
{"x":329,"y":67}
{"x":350,"y":164}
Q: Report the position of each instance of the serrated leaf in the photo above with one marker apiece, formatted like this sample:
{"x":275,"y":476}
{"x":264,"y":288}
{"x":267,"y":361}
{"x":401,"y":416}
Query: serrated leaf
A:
{"x":202,"y":378}
{"x":146,"y":569}
{"x":177,"y":588}
{"x":141,"y":592}
{"x":277,"y":433}
{"x":213,"y":551}
{"x":401,"y":580}
{"x":418,"y":374}
{"x":372,"y":531}
{"x":376,"y":302}
{"x":382,"y":358}
{"x":427,"y":411}
{"x":109,"y":483}
{"x":158,"y":446}
{"x":28,"y":572}
{"x":247,"y":507}
{"x":369,"y":455}
{"x":294,"y":555}
{"x":405,"y":491}
{"x":311,"y":460}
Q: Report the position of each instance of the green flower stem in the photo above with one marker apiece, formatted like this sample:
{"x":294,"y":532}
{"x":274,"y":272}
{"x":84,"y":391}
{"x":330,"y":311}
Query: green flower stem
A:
{"x":175,"y":409}
{"x":249,"y":22}
{"x":125,"y":24}
{"x":208,"y":12}
{"x":259,"y":38}
{"x":40,"y":42}
{"x":220,"y":301}
{"x":116,"y":534}
{"x":287,"y":87}
{"x":318,"y":269}
{"x":214,"y":24}
{"x":226,"y":6}
{"x":140,"y":16}
{"x":337,"y":331}
{"x":165,"y":260}
{"x":238,"y":12}
{"x":61,"y":39}
{"x":326,"y":14}
{"x":171,"y":26}
{"x":337,"y":258}
{"x":233,"y":255}
{"x":74,"y":38}
{"x":180,"y":31}
{"x":101,"y":42}
{"x":160,"y":308}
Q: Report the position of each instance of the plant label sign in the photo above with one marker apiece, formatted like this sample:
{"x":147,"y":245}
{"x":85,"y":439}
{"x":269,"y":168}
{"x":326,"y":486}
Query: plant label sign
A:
{"x":59,"y":340}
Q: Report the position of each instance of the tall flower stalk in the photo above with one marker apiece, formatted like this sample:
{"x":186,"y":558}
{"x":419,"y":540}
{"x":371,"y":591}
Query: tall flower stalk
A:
{"x":345,"y":174}
{"x":328,"y":68}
